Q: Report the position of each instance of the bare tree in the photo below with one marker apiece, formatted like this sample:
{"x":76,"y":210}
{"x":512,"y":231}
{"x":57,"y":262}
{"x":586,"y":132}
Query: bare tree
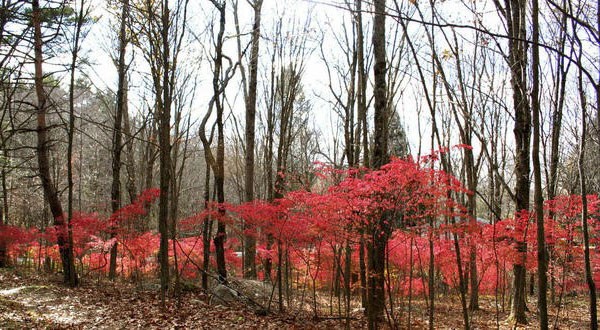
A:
{"x":221,"y":78}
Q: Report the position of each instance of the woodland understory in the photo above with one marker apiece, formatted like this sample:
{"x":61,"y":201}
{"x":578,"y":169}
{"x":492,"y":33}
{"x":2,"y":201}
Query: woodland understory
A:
{"x":420,"y":164}
{"x":41,"y":301}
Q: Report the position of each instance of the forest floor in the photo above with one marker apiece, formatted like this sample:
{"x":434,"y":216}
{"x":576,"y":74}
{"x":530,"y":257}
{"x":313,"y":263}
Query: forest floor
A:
{"x":32,"y":301}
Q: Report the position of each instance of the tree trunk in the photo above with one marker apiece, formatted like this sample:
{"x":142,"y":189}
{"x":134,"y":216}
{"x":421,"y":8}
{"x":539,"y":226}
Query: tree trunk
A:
{"x":431,"y":274}
{"x":347,"y":280}
{"x":129,"y":144}
{"x":269,"y":154}
{"x":206,"y":230}
{"x":164,"y":140}
{"x":3,"y":245}
{"x":363,"y":272}
{"x":115,"y":192}
{"x":50,"y":192}
{"x":149,"y":158}
{"x":538,"y":198}
{"x":71,"y":129}
{"x":250,"y":240}
{"x":380,"y":229}
{"x":557,"y":113}
{"x":217,"y":163}
{"x":362,"y":135}
{"x":589,"y":275}
{"x":471,"y":172}
{"x":515,"y":13}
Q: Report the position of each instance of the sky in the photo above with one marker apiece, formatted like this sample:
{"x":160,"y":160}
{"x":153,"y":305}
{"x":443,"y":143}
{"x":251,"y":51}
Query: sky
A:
{"x":324,"y":19}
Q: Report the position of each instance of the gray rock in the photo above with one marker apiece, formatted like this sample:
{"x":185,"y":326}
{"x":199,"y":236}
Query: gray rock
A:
{"x":254,"y":294}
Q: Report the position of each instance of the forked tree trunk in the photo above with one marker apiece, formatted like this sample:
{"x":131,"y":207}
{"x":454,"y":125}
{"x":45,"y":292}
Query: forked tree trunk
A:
{"x":219,"y":168}
{"x":216,"y":163}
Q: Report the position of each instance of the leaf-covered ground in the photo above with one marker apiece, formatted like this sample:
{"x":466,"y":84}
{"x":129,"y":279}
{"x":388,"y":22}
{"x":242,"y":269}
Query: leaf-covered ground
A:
{"x":41,"y":302}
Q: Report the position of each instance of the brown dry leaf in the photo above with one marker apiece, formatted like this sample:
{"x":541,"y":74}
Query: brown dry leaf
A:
{"x":45,"y":303}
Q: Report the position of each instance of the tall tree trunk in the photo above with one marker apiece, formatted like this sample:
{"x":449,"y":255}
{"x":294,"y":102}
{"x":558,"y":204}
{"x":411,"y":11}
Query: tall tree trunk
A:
{"x":514,"y":12}
{"x":221,"y":237}
{"x":164,"y":140}
{"x":589,"y":275}
{"x":269,"y":161}
{"x":558,"y":103}
{"x":80,"y":18}
{"x":538,"y":198}
{"x":50,"y":192}
{"x":115,"y":192}
{"x":380,"y":229}
{"x":217,"y":163}
{"x":250,"y":240}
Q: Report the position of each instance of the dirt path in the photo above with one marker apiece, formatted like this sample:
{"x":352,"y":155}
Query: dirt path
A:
{"x":37,"y":305}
